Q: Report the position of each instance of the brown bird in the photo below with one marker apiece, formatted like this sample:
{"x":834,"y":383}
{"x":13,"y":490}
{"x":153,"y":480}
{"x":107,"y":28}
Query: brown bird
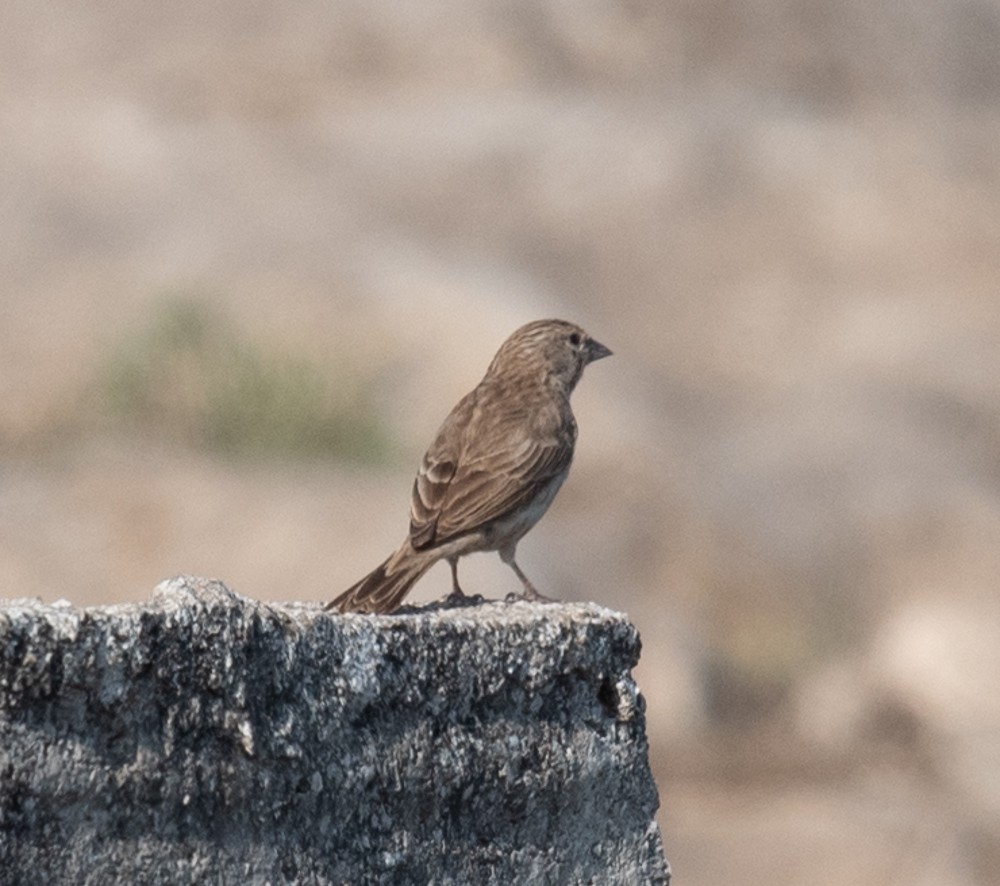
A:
{"x":493,"y":469}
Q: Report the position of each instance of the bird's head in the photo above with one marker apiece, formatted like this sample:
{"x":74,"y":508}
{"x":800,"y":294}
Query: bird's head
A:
{"x":556,"y":348}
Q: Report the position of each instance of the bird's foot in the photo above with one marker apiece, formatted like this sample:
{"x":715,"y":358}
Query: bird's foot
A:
{"x":530,"y":595}
{"x":458,"y":598}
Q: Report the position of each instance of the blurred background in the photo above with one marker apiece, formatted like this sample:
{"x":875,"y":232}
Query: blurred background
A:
{"x":254,"y":251}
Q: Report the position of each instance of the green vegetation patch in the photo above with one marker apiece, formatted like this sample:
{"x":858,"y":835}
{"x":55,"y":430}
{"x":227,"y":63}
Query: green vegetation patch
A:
{"x":192,"y":375}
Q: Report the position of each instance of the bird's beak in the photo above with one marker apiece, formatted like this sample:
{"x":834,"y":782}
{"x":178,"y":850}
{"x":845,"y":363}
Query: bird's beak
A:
{"x":595,"y":350}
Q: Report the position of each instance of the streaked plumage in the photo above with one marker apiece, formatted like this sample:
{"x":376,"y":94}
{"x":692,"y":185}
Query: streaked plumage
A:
{"x":493,"y":468}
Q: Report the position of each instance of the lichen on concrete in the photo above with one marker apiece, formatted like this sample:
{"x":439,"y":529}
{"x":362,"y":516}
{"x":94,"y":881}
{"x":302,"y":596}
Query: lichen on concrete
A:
{"x":206,"y":737}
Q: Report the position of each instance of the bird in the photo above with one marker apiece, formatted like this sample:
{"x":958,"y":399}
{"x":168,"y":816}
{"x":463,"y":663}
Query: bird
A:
{"x":494,"y":467}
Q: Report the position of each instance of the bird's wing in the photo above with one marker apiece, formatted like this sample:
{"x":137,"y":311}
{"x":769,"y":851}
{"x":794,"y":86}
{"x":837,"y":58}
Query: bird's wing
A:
{"x":477,"y":471}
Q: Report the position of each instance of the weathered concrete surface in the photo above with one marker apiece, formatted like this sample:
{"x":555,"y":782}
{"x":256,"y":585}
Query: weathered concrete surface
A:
{"x":210,"y":738}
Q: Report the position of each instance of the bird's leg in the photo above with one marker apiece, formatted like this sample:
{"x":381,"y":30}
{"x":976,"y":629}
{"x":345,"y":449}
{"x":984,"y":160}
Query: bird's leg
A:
{"x":530,"y":593}
{"x":457,"y":595}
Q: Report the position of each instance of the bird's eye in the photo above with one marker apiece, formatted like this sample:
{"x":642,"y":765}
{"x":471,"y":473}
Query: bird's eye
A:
{"x":574,"y":339}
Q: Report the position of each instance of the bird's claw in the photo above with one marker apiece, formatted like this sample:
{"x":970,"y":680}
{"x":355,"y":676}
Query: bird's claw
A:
{"x":529,"y":595}
{"x":459,"y":598}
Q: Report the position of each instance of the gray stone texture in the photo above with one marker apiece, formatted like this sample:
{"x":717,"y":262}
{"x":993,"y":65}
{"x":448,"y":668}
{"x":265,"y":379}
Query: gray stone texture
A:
{"x":206,"y":737}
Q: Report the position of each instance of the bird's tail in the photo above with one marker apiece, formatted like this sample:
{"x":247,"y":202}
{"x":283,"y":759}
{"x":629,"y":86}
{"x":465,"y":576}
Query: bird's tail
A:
{"x":383,"y":589}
